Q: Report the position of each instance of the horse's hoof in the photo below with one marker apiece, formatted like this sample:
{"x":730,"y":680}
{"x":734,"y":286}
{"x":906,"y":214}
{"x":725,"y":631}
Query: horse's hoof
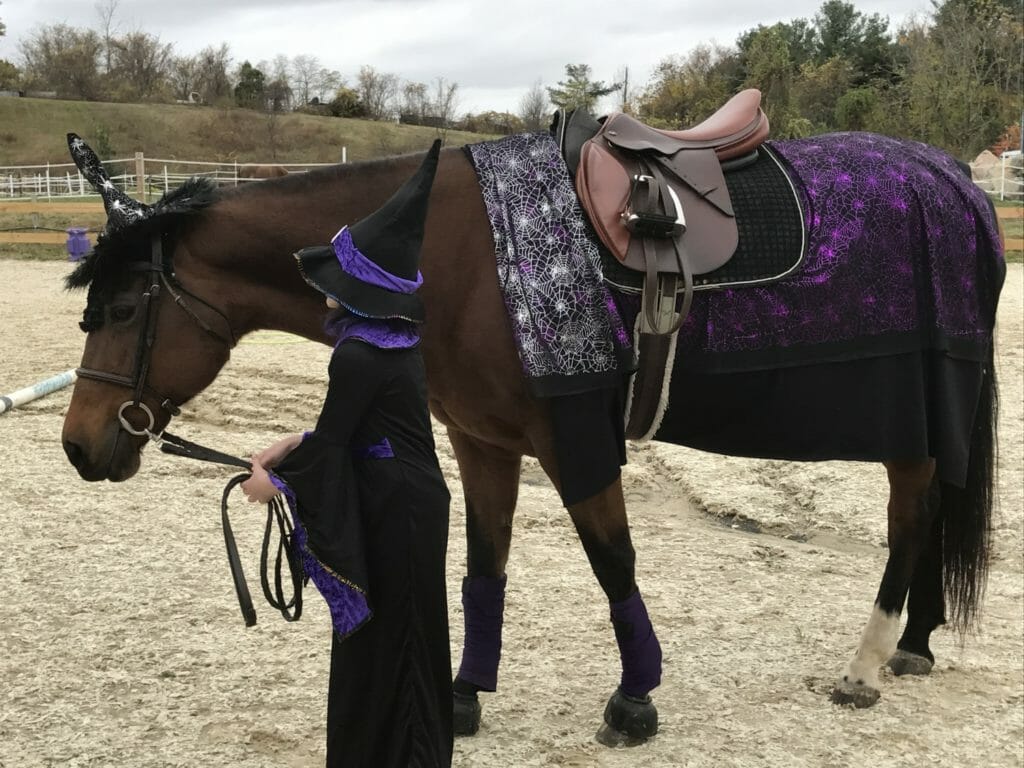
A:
{"x":628,"y":721}
{"x":465,"y":714}
{"x":857,"y":695}
{"x":907,"y":663}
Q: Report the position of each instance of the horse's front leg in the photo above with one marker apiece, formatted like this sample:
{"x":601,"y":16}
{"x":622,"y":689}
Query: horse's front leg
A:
{"x":912,"y":506}
{"x":630,"y":717}
{"x":490,"y":484}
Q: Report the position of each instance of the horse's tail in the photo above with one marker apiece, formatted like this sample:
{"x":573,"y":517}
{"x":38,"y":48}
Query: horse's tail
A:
{"x":966,"y":513}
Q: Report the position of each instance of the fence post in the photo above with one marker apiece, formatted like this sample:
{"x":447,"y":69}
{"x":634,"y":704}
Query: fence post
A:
{"x":1002,"y":177}
{"x":47,"y":182}
{"x":167,"y":184}
{"x":344,"y":155}
{"x":140,"y":175}
{"x":81,"y":184}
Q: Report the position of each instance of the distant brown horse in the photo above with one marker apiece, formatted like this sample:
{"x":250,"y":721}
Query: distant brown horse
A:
{"x":228,"y":264}
{"x":261,"y":171}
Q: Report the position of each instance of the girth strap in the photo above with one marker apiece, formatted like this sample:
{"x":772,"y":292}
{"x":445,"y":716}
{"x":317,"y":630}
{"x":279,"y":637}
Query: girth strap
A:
{"x":647,"y":396}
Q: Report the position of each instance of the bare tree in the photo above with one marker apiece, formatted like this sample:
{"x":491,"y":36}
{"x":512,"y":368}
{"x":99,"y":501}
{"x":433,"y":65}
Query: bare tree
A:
{"x":534,"y":108}
{"x":107,"y":9}
{"x":278,"y":90}
{"x":280,"y":93}
{"x":183,"y":76}
{"x":377,"y":91}
{"x":444,"y":106}
{"x":212,"y":80}
{"x":326,"y":84}
{"x":140,"y":65}
{"x":415,"y":103}
{"x":64,"y":59}
{"x":304,"y":70}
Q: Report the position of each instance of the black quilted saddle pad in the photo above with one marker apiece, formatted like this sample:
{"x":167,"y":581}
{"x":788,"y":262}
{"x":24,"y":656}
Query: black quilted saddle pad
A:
{"x":769,"y":218}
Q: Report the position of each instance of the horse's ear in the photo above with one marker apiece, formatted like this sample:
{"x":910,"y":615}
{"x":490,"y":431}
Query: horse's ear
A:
{"x":122,"y":210}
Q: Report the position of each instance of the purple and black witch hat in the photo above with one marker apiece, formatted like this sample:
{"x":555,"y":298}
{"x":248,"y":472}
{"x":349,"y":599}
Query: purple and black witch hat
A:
{"x":372,"y":267}
{"x":122,"y":210}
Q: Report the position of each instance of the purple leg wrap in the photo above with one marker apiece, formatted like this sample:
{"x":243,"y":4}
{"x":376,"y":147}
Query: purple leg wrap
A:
{"x":638,"y":647}
{"x":483,"y":605}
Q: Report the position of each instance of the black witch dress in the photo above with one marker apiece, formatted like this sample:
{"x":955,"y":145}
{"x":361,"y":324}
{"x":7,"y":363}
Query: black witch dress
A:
{"x":371,"y":508}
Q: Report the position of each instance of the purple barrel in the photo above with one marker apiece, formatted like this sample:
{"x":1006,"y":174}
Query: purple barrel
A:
{"x":78,"y":243}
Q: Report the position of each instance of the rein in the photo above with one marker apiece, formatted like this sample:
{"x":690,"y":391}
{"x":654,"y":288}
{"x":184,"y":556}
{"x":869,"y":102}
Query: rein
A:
{"x":287,"y":550}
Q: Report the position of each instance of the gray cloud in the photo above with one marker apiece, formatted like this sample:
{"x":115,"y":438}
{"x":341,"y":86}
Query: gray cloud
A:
{"x":494,"y":50}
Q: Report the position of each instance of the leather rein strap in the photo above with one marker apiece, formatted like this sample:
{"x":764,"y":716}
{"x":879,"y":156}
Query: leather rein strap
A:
{"x":287,"y":547}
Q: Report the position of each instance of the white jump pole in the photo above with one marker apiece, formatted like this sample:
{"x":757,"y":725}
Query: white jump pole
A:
{"x":40,"y":389}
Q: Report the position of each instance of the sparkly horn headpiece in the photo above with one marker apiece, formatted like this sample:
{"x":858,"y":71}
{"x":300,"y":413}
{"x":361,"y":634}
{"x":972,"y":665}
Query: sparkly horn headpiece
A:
{"x":122,"y":210}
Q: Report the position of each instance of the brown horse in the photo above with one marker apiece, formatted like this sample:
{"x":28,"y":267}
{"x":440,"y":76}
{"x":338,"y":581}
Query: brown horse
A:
{"x":227,"y":263}
{"x":261,"y":171}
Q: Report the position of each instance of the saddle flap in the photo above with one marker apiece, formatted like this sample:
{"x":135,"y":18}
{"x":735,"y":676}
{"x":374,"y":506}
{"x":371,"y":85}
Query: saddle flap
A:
{"x":604,"y":180}
{"x":603,"y":184}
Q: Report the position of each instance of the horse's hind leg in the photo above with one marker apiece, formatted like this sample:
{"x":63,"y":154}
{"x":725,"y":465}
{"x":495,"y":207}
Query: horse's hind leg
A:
{"x":926,"y":609}
{"x":490,"y":483}
{"x":911,"y":514}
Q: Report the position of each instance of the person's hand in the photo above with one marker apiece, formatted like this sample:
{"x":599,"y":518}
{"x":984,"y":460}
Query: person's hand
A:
{"x":274,"y":455}
{"x":259,"y":488}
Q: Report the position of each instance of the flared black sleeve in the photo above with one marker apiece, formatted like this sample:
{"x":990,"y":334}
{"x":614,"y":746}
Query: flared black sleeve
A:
{"x":320,"y":477}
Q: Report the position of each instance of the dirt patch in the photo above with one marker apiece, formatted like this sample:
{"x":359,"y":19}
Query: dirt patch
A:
{"x":122,"y":644}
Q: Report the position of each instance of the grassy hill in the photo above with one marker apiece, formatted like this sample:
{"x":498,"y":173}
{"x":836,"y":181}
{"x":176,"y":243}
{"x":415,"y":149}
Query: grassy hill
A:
{"x":32,"y":131}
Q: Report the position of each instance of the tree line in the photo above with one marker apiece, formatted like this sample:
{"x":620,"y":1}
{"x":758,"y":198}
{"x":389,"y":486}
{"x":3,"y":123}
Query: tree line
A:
{"x":953,"y":79}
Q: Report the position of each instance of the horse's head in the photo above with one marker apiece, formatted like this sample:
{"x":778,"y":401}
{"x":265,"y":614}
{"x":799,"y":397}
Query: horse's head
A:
{"x":153,"y":340}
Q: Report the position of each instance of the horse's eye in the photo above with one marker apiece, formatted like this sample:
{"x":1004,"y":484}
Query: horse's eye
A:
{"x":121,"y":314}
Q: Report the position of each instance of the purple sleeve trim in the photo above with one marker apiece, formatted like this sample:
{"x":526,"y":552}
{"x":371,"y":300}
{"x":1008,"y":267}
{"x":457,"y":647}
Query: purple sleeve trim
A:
{"x":347,"y":604}
{"x":381,"y":450}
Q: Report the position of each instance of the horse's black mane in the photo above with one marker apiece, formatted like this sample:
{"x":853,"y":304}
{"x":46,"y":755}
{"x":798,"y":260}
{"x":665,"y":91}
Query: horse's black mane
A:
{"x":116,"y":248}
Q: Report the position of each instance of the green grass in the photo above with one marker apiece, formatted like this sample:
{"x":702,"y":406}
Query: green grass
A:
{"x":32,"y":131}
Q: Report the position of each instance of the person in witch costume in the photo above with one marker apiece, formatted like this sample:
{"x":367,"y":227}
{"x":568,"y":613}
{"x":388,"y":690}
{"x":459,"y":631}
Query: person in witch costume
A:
{"x":368,"y":497}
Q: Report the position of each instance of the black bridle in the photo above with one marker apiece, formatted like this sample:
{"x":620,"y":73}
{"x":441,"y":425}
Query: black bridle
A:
{"x":157,"y":278}
{"x":286,"y":546}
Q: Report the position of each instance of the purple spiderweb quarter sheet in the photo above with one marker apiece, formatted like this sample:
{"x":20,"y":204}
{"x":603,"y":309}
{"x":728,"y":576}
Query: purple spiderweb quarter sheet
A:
{"x":901,"y":245}
{"x":567,"y":327}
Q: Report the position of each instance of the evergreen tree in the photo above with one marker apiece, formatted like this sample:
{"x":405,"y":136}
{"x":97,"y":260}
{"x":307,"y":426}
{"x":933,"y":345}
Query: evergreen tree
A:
{"x":578,"y":90}
{"x":251,"y":90}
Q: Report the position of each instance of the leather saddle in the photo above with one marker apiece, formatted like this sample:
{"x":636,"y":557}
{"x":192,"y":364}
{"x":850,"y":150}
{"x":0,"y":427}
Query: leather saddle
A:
{"x":658,"y":200}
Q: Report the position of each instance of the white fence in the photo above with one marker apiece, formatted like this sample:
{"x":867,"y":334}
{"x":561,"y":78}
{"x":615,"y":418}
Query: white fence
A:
{"x":144,"y":177}
{"x":1004,"y":180}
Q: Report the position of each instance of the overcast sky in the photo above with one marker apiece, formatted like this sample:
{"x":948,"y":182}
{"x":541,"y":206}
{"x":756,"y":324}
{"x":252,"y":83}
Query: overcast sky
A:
{"x":494,"y":49}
